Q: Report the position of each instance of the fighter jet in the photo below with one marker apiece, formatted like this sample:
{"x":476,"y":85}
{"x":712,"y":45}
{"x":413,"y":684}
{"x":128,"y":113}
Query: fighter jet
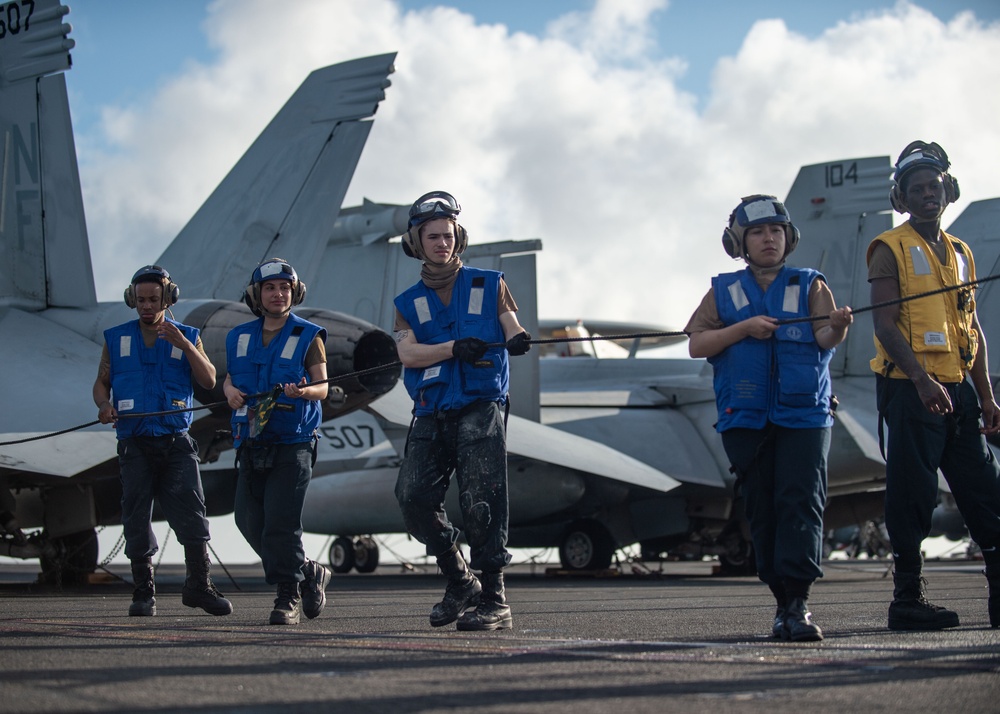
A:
{"x":290,"y":183}
{"x":283,"y":197}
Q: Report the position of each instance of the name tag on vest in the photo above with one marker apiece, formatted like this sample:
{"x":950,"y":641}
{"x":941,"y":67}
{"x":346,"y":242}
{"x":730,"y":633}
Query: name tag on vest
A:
{"x":934,"y":338}
{"x":431,"y":372}
{"x":125,"y":346}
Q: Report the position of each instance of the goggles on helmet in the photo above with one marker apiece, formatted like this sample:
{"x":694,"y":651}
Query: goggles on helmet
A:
{"x":274,"y":270}
{"x":436,"y":204}
{"x":920,"y":154}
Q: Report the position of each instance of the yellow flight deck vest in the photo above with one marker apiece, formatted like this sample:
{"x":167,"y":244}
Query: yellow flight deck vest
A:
{"x":938,"y":327}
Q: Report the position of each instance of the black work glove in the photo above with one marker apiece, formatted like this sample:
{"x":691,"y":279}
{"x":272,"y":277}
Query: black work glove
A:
{"x":469,"y":349}
{"x":519,"y":344}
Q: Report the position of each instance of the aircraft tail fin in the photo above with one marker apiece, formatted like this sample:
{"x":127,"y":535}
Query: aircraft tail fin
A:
{"x":977,"y":226}
{"x":44,"y":251}
{"x":839,"y":207}
{"x":284,"y":195}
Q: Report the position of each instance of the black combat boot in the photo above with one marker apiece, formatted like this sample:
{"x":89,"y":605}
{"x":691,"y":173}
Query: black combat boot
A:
{"x":992,"y":573}
{"x":462,"y":592}
{"x":314,"y":588}
{"x":200,"y":591}
{"x":287,"y":606}
{"x":781,"y":598}
{"x":493,"y":612}
{"x":910,"y":609}
{"x":143,"y":602}
{"x":798,"y":625}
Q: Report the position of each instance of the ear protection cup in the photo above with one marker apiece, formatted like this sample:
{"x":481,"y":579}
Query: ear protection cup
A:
{"x":461,"y":239}
{"x":171,"y":293}
{"x":791,"y":238}
{"x":410,"y":239}
{"x":732,"y":244}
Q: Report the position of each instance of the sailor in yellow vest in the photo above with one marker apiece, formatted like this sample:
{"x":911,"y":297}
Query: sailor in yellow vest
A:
{"x":925,"y":350}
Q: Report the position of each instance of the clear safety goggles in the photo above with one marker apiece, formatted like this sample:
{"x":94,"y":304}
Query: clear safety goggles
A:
{"x":437,"y":203}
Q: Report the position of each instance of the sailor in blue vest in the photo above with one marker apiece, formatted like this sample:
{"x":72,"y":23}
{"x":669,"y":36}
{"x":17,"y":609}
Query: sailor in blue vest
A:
{"x":772,"y":391}
{"x":447,"y":328}
{"x":275,"y":462}
{"x":146,"y":367}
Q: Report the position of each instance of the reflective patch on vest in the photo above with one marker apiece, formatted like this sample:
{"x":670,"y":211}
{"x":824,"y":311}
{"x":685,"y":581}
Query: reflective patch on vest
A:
{"x":737,"y":295}
{"x":790,"y":303}
{"x":476,"y":301}
{"x":242,"y":344}
{"x":918,"y":257}
{"x":962,"y":261}
{"x":935,"y":339}
{"x":289,"y":348}
{"x":125,"y":405}
{"x":423,"y":309}
{"x":125,"y":346}
{"x":431,"y":373}
{"x":176,"y":353}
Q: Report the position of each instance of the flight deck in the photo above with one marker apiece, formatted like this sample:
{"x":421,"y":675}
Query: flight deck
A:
{"x":678,"y":639}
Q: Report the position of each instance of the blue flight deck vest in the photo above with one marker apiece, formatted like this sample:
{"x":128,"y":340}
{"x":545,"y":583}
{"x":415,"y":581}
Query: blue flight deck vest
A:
{"x":454,"y":384}
{"x":254,"y":368}
{"x":784,"y":379}
{"x":149,"y":379}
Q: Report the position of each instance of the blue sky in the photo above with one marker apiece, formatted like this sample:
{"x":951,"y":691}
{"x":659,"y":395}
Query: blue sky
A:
{"x":620,"y":133}
{"x":116,"y":63}
{"x":125,"y":47}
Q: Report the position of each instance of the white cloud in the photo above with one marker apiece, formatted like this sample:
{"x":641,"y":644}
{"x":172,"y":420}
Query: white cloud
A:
{"x":579,"y":137}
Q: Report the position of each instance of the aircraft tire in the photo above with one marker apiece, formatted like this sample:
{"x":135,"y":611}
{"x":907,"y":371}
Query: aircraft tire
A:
{"x":76,"y":559}
{"x":586,"y":545}
{"x":365,"y":554}
{"x":341,"y":555}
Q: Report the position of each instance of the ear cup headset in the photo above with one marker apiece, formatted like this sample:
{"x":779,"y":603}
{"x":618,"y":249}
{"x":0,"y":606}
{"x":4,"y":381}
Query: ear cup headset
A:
{"x":436,"y":204}
{"x":153,"y":274}
{"x":921,"y":155}
{"x":273,"y":269}
{"x":757,"y":210}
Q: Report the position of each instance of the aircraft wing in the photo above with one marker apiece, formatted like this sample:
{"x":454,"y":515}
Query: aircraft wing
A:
{"x":48,"y":388}
{"x":536,"y":441}
{"x":285,"y":193}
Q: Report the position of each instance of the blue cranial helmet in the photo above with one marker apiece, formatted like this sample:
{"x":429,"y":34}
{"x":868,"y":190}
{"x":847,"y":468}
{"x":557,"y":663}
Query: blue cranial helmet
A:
{"x":273,"y":269}
{"x":757,"y":210}
{"x":921,"y":155}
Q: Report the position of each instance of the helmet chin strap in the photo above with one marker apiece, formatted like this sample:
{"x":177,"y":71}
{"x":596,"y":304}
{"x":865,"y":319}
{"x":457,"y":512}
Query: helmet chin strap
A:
{"x":276,"y":315}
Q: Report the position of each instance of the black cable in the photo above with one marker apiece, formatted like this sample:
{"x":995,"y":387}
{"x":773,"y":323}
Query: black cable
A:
{"x":894,"y":301}
{"x":497,"y":345}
